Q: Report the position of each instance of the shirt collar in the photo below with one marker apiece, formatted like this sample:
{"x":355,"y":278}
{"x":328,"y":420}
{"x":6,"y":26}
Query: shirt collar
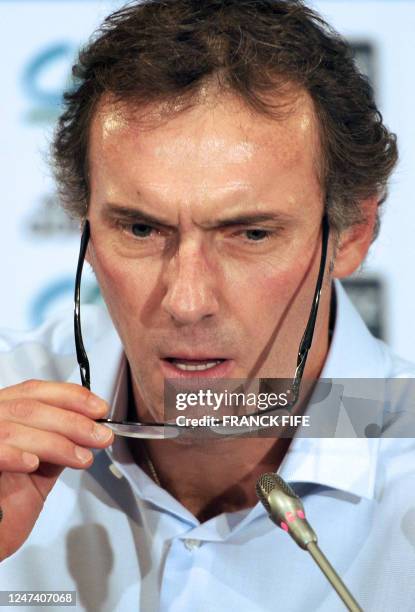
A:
{"x":348,"y":464}
{"x":353,"y":352}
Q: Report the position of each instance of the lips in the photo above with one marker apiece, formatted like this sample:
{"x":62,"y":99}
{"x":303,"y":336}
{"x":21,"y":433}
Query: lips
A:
{"x":194,"y":365}
{"x":191,"y":366}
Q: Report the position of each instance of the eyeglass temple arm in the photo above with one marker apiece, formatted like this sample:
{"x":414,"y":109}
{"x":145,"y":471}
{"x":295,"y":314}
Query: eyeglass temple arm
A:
{"x":307,"y":338}
{"x":80,"y":350}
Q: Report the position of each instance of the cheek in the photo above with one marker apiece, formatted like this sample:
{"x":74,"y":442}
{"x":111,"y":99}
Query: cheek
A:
{"x":273,"y":286}
{"x":271,"y":293}
{"x":126,"y":285}
{"x":261,"y":291}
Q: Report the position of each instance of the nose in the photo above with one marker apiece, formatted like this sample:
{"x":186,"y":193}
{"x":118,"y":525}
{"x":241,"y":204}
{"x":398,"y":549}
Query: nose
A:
{"x":191,"y":294}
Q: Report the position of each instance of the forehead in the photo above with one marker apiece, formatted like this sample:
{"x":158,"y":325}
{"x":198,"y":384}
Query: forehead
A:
{"x":216,"y":139}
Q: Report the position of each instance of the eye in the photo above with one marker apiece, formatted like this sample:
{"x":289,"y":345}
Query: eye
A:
{"x":141,"y":230}
{"x":256,"y":235}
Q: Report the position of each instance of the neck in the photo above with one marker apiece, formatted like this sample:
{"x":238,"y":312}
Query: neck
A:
{"x":208,"y":476}
{"x":195,"y":474}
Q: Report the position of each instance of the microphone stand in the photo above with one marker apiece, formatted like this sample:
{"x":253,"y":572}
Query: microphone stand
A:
{"x":332,"y":576}
{"x":286,"y":510}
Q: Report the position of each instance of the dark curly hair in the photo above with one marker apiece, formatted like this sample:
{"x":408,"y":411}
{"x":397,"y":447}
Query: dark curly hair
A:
{"x":167,"y":50}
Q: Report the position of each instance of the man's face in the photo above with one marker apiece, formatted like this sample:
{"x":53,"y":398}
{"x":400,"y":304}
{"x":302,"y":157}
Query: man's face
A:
{"x":205,"y":240}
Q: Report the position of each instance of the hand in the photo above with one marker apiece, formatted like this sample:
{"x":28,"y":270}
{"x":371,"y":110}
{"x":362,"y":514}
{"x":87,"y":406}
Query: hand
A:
{"x":44,"y":427}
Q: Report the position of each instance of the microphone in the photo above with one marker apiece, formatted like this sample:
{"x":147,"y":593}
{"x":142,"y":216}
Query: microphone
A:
{"x":286,"y":510}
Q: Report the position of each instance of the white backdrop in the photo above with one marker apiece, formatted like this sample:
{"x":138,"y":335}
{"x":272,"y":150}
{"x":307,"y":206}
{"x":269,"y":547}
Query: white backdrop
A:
{"x":38,"y":41}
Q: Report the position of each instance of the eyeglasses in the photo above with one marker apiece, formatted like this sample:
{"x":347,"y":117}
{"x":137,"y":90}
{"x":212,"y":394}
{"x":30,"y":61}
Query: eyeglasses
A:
{"x":137,"y":429}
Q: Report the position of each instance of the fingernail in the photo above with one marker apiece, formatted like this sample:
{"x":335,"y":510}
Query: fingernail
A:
{"x":97,"y":403}
{"x":83,"y":454}
{"x":30,"y":460}
{"x":102,"y":433}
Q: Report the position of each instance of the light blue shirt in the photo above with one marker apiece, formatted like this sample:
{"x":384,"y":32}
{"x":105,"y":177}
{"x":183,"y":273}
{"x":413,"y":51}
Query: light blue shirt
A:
{"x":123,"y":543}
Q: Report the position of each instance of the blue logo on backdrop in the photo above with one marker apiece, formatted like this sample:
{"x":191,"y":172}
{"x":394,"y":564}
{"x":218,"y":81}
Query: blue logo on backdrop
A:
{"x":57,"y":295}
{"x":45,"y":78}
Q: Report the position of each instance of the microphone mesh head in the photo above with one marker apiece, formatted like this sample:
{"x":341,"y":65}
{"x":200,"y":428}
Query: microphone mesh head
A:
{"x":284,"y":486}
{"x":270,"y":481}
{"x":264,"y":486}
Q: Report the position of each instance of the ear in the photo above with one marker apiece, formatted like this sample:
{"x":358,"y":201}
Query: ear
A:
{"x":89,"y":255}
{"x":354,"y":242}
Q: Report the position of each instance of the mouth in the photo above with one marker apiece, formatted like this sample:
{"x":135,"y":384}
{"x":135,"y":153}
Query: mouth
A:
{"x":210,"y":367}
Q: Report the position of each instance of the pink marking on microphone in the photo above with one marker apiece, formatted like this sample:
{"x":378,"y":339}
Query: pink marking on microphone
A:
{"x":284,"y":526}
{"x":300,"y":514}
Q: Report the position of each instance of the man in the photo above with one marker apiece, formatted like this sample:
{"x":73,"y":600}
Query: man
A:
{"x":204,"y":145}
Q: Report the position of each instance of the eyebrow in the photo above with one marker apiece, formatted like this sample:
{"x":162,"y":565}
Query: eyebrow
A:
{"x":115,"y":211}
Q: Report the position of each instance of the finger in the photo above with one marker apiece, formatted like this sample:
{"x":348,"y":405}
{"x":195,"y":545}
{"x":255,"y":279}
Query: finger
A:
{"x":15,"y":460}
{"x":77,"y":427}
{"x":68,"y":396}
{"x":50,"y":447}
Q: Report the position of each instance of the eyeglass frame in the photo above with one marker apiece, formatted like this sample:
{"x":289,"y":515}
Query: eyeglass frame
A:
{"x":304,"y":348}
